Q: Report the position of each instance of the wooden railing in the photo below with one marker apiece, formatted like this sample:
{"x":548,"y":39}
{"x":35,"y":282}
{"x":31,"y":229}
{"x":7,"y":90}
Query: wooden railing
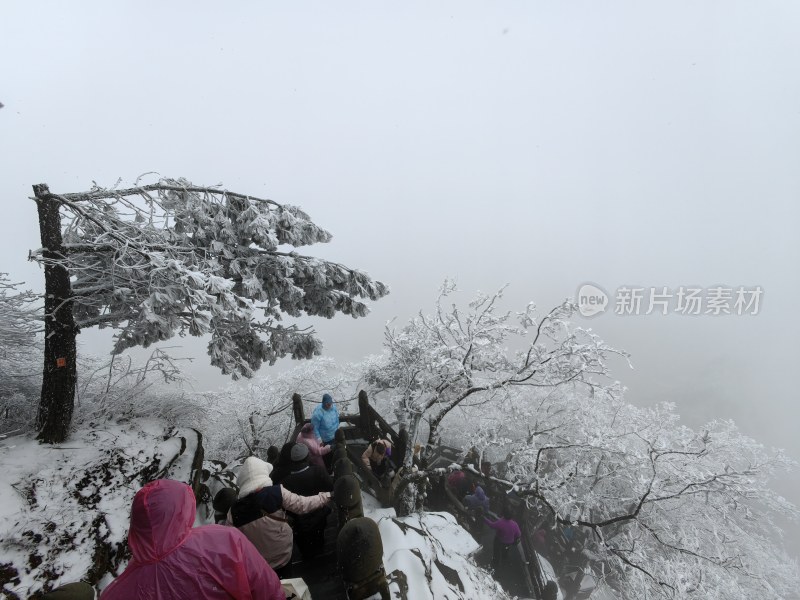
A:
{"x":370,"y":425}
{"x":359,"y":548}
{"x":531,"y":569}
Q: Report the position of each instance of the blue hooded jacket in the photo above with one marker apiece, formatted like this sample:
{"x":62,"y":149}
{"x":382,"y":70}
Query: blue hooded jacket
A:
{"x":477,"y":500}
{"x":325,"y":422}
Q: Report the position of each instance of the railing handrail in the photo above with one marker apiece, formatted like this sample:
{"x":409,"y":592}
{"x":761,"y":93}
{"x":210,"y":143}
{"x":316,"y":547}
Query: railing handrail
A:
{"x":372,"y":425}
{"x":534,"y":579}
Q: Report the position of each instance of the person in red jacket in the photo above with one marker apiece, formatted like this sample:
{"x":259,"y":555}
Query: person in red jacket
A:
{"x":172,"y":561}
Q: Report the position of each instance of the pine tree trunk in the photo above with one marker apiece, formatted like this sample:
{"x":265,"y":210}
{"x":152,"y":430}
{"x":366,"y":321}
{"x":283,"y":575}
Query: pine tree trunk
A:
{"x":434,"y":439}
{"x":59,"y":373}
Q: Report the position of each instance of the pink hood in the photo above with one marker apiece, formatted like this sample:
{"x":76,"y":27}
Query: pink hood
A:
{"x":161,"y":519}
{"x":173,"y":561}
{"x":315,"y":450}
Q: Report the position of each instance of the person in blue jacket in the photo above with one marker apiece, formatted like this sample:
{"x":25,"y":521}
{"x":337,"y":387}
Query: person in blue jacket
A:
{"x":325,"y":420}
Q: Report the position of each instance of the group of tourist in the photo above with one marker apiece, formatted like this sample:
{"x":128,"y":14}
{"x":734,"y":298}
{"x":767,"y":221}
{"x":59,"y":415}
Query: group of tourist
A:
{"x":278,"y":501}
{"x":506,"y":529}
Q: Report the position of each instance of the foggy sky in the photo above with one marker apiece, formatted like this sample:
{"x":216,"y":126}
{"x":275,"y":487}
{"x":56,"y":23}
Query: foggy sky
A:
{"x":541,"y":144}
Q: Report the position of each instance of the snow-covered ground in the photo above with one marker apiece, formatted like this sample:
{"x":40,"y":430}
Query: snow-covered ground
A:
{"x":64,"y":509}
{"x":64,"y":515}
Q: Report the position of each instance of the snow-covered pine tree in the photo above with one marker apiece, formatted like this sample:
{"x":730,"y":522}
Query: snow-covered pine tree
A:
{"x":172,"y":258}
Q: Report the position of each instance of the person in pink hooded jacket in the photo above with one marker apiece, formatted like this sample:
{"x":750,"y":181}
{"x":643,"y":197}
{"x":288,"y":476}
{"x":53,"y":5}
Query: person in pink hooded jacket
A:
{"x":315,"y":448}
{"x":172,"y":561}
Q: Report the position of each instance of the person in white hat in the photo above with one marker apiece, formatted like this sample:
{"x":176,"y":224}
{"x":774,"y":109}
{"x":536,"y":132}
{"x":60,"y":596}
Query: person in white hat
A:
{"x":260,"y":513}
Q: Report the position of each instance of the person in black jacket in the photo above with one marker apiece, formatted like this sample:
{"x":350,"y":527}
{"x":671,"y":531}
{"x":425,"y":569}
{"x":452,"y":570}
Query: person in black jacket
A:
{"x":283,"y":464}
{"x":306,"y":480}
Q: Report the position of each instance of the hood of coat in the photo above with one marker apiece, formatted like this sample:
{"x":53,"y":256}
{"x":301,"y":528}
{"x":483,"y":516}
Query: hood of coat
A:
{"x":479,"y":493}
{"x":327,"y":415}
{"x":306,"y":436}
{"x":161,"y":519}
{"x":253,"y":475}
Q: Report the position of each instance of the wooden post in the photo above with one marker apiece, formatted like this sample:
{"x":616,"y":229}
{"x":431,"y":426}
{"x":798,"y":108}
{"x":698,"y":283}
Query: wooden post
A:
{"x":59,"y":374}
{"x":197,"y":464}
{"x":359,"y":552}
{"x":365,"y":416}
{"x":347,"y":497}
{"x":297,"y":408}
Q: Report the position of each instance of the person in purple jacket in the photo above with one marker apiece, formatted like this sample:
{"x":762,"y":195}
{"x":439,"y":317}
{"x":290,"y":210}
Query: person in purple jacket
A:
{"x":506,"y":534}
{"x":477,"y":500}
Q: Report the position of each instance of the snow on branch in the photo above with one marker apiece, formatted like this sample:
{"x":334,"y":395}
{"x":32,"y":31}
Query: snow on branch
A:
{"x":172,"y":258}
{"x":20,"y":317}
{"x":662,"y":510}
{"x":436,"y":362}
{"x":677,"y":512}
{"x":20,"y":346}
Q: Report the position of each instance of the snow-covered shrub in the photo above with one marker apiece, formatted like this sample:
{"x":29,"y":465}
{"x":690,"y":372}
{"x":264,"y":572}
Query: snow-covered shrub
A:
{"x":17,"y":413}
{"x":119,"y":388}
{"x":20,"y":357}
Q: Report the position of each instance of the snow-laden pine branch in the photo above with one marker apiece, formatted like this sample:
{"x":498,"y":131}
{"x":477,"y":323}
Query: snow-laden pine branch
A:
{"x":172,"y":258}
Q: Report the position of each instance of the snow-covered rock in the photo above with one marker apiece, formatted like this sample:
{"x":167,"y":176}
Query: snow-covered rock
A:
{"x":428,"y":556}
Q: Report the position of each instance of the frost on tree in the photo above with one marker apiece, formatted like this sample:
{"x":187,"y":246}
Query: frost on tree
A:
{"x":661,"y":511}
{"x":457,"y":357}
{"x":172,"y":258}
{"x":20,"y":322}
{"x":665,"y":511}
